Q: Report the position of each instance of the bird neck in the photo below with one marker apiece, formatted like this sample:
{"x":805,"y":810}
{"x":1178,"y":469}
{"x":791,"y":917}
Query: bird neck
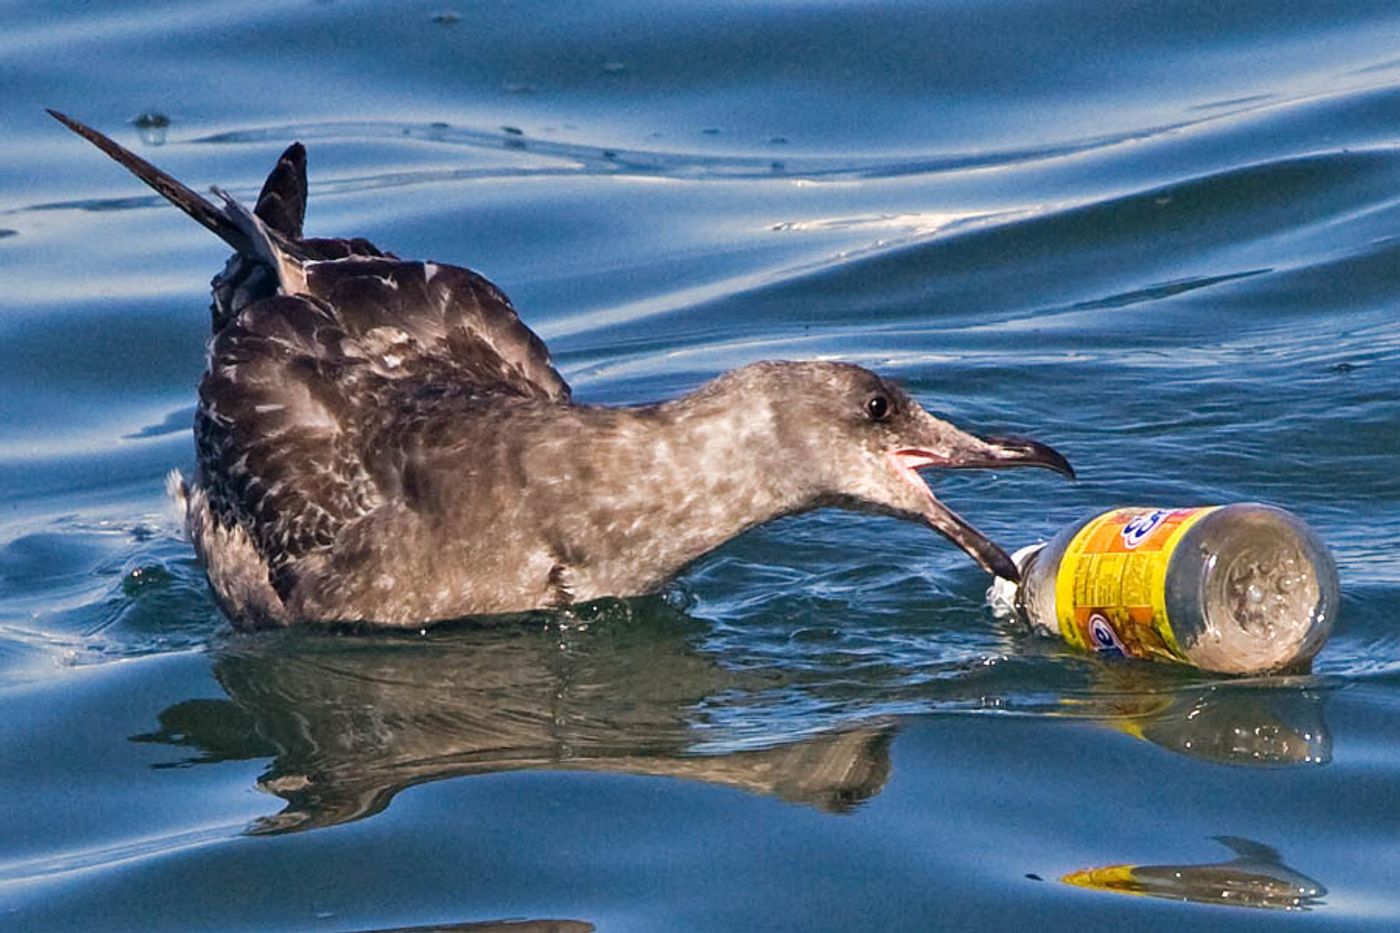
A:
{"x":674,"y":481}
{"x":731,"y":457}
{"x":715,"y":468}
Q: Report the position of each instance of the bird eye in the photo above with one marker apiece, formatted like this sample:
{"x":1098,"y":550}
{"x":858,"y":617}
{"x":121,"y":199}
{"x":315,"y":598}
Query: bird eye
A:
{"x":877,"y":407}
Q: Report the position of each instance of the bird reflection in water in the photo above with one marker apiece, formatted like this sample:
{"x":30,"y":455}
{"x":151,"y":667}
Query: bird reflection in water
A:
{"x":351,"y":721}
{"x":348,"y":721}
{"x":1256,"y":877}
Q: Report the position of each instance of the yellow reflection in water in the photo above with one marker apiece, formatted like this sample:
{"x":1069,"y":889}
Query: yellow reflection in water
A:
{"x":1256,"y":877}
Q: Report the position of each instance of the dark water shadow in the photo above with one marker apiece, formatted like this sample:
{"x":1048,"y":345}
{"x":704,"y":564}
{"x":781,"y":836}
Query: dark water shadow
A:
{"x":495,"y":926}
{"x":588,"y":159}
{"x":563,"y":158}
{"x":1256,"y":877}
{"x":349,"y":721}
{"x":173,"y":423}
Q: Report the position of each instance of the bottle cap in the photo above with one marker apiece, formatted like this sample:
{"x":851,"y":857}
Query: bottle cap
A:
{"x":1001,"y":595}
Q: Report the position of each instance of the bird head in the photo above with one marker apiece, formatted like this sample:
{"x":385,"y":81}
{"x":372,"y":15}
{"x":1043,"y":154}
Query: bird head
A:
{"x":860,"y":441}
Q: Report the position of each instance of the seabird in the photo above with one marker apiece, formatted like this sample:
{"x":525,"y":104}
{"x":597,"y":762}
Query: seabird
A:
{"x":384,"y":441}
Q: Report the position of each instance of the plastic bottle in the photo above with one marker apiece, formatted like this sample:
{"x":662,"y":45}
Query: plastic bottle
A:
{"x":1239,"y":589}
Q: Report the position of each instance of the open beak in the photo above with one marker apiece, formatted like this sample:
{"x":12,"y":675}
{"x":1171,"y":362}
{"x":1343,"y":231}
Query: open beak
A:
{"x":959,"y":450}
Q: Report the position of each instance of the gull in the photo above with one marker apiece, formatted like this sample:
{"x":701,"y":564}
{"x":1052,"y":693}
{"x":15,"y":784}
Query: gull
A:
{"x":382,"y":441}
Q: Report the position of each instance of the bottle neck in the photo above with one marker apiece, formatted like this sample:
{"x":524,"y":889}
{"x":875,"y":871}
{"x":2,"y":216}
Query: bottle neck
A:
{"x":1025,"y":559}
{"x":1005,"y":598}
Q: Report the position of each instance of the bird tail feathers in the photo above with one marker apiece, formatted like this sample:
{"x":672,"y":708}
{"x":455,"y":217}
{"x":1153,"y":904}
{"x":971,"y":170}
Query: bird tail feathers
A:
{"x":282,"y":201}
{"x":266,"y":244}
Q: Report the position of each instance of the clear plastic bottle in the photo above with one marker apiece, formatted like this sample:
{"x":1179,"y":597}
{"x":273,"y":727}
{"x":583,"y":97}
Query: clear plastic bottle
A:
{"x":1238,"y":589}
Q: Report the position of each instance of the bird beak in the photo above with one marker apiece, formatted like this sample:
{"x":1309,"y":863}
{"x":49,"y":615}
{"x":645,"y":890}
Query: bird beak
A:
{"x":954,"y":449}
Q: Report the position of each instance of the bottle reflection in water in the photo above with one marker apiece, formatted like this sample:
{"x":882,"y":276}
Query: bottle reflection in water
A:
{"x":1236,"y":589}
{"x":1233,"y":723}
{"x":1255,"y":877}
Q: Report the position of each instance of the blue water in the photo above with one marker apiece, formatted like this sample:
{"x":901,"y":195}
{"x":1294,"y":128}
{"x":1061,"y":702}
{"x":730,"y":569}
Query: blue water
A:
{"x":1162,"y":237}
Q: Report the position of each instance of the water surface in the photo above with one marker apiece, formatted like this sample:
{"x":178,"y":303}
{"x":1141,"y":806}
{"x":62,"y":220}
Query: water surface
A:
{"x":1161,"y":237}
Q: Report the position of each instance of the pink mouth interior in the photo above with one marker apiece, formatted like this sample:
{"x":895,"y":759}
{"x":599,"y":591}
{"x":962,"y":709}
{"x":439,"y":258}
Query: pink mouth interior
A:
{"x":907,"y":462}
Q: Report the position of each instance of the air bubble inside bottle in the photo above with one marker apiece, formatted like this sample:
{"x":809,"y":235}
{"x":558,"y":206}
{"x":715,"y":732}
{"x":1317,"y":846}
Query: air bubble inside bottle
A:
{"x":1263,"y":588}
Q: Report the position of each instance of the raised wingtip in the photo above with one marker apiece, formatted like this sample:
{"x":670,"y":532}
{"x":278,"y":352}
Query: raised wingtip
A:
{"x":182,"y":197}
{"x":92,"y":136}
{"x":66,"y":120}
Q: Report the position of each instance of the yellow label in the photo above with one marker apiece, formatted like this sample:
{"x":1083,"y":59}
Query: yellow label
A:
{"x":1111,"y":590}
{"x":1118,"y":878}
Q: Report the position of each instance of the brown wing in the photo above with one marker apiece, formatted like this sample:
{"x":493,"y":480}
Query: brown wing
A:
{"x":298,"y":383}
{"x":246,"y":279}
{"x":449,"y":314}
{"x":277,"y":454}
{"x":299,"y":387}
